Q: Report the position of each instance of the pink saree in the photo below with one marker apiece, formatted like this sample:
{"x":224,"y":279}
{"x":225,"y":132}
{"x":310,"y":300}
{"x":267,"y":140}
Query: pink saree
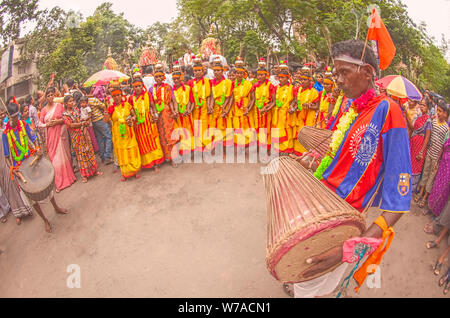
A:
{"x":58,"y":147}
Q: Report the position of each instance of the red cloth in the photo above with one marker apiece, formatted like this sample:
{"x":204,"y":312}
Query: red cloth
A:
{"x":379,"y":33}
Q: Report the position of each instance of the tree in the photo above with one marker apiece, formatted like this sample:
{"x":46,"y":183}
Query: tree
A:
{"x":13,"y":14}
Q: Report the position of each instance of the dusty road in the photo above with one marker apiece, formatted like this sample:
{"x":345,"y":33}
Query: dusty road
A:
{"x":195,"y":231}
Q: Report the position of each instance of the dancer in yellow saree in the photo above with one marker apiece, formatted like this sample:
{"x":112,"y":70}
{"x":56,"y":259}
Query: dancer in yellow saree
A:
{"x":126,"y":149}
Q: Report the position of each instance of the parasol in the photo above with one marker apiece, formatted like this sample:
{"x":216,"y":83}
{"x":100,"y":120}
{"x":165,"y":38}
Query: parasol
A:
{"x":104,"y":77}
{"x":397,"y":85}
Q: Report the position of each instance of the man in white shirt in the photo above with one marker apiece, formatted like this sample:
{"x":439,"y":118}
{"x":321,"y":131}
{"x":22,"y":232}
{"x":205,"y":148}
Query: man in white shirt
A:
{"x":187,"y":59}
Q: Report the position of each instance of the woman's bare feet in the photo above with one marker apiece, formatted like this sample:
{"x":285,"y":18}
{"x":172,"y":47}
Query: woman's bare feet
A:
{"x":98,"y":173}
{"x":3,"y":219}
{"x":61,"y":211}
{"x":138,"y":176}
{"x":123,"y":179}
{"x":18,"y":221}
{"x":157,"y":169}
{"x":84,"y":180}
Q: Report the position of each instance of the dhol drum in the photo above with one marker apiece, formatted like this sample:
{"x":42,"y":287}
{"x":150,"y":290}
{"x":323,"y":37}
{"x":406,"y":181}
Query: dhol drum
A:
{"x":315,"y":139}
{"x":39,"y":177}
{"x":304,"y":219}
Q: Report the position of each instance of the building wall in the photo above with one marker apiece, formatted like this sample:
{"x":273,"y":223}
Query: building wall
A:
{"x":24,"y":75}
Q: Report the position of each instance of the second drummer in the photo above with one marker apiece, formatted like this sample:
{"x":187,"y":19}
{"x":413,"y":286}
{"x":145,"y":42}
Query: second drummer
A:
{"x":16,"y":148}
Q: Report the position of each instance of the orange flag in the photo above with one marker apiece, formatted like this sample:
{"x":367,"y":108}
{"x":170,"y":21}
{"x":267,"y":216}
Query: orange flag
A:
{"x":379,"y":33}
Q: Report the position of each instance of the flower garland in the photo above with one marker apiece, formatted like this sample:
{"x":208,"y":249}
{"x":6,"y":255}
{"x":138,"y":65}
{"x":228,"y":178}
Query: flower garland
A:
{"x":22,"y":146}
{"x":182,"y":102}
{"x":121,"y":120}
{"x":344,"y":125}
{"x":283,"y":99}
{"x":203,"y":97}
{"x":159,"y":107}
{"x":261,"y":101}
{"x":140,"y":110}
{"x":238,"y":97}
{"x":224,"y":89}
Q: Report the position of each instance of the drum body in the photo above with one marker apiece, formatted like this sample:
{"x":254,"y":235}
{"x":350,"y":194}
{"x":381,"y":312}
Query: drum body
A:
{"x":315,"y":139}
{"x":304,"y":219}
{"x":40,"y":178}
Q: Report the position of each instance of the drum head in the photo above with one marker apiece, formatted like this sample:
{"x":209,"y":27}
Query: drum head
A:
{"x":38,"y":177}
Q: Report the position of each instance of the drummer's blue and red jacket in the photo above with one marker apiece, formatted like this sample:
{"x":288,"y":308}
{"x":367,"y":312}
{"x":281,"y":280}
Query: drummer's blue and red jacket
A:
{"x":6,"y":145}
{"x":374,"y":154}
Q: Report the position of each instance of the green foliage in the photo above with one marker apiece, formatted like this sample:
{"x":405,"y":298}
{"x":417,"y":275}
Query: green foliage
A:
{"x":13,"y":14}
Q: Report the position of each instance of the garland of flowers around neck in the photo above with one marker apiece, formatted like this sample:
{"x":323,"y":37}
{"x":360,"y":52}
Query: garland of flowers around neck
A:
{"x":22,"y":147}
{"x":238,"y":97}
{"x":283,"y":99}
{"x":224,"y":89}
{"x":344,"y":125}
{"x":260,"y":104}
{"x":159,"y":107}
{"x":182,"y":102}
{"x":203,"y":97}
{"x":121,"y":115}
{"x":140,"y":110}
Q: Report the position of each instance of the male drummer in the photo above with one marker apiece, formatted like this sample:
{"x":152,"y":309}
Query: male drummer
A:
{"x":374,"y":155}
{"x":14,"y":140}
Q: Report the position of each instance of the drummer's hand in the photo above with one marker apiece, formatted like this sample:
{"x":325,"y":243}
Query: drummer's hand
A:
{"x":297,"y":158}
{"x":40,"y":152}
{"x":323,"y":261}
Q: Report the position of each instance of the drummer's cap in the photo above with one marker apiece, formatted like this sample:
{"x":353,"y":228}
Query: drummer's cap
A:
{"x":197,"y":63}
{"x":115,"y":88}
{"x":217,"y":64}
{"x":159,"y":70}
{"x":350,"y":51}
{"x":283,"y":69}
{"x":177,"y":72}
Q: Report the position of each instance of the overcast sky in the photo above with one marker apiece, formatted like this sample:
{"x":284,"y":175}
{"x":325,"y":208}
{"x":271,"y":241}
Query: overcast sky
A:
{"x":435,"y":13}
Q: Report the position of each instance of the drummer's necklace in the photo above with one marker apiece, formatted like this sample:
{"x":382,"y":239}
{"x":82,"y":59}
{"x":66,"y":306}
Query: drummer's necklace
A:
{"x":22,"y":147}
{"x":344,"y":125}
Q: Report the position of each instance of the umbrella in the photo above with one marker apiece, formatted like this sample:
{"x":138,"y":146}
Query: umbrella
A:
{"x":104,"y":77}
{"x":397,"y":85}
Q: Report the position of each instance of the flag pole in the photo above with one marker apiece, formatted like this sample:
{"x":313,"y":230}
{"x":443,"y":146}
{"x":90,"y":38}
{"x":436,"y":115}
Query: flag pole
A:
{"x":367,"y":39}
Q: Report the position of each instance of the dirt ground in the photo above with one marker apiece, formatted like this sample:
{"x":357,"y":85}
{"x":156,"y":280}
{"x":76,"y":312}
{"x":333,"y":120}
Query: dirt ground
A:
{"x":195,"y":231}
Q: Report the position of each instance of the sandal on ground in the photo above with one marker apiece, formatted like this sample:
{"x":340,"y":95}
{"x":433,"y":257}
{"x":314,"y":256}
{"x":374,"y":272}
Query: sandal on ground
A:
{"x":428,"y":228}
{"x":3,"y":219}
{"x":288,"y":290}
{"x":431,"y":244}
{"x":437,"y":268}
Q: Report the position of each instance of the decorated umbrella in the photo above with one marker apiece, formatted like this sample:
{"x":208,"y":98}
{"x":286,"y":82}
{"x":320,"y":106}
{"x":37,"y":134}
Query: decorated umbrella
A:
{"x":104,"y":77}
{"x":397,"y":85}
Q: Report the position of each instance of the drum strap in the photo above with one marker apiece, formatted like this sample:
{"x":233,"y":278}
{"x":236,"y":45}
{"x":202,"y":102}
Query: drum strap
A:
{"x":372,"y":262}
